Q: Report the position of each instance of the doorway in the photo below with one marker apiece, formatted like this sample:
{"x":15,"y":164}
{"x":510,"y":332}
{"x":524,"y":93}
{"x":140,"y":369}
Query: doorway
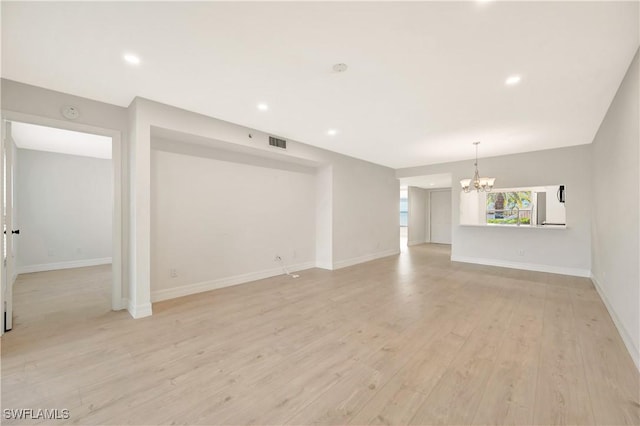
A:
{"x":61,"y":205}
{"x":425,"y":218}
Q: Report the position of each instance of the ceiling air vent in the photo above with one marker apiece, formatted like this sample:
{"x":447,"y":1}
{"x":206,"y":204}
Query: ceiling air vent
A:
{"x":278,"y":143}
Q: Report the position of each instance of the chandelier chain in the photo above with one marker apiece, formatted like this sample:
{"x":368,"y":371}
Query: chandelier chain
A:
{"x":478,"y":183}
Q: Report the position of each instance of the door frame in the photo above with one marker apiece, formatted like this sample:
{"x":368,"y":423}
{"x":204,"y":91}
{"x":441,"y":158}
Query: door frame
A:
{"x":7,"y":268}
{"x":117,"y":301}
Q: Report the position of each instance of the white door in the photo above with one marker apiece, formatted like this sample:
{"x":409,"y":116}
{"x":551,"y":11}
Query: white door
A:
{"x":9,"y":231}
{"x":440,"y":216}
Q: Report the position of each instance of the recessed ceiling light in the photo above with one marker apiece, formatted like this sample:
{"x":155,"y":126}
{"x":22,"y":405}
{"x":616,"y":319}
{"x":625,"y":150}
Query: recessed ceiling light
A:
{"x":431,"y":184}
{"x":131,"y":58}
{"x":512,"y":80}
{"x":332,"y":132}
{"x":263,"y":107}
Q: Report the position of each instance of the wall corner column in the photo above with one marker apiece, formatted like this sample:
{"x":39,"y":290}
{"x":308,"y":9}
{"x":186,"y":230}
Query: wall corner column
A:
{"x":139,"y":305}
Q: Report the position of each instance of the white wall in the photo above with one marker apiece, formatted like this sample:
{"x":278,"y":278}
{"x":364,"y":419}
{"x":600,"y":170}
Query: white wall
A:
{"x":31,"y":101}
{"x":359,"y":224}
{"x":220,"y":222}
{"x":418,"y":217}
{"x":615,"y":229}
{"x":472,"y":208}
{"x":324,"y":217}
{"x":562,"y":251}
{"x":364,"y":196}
{"x":440,"y":217}
{"x":64,"y":209}
{"x":365,"y":210}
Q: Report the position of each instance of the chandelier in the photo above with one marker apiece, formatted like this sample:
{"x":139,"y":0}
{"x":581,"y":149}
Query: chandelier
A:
{"x":479,"y":184}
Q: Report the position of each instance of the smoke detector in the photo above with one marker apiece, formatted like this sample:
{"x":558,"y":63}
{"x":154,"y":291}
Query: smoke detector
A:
{"x":70,"y":112}
{"x":340,"y":67}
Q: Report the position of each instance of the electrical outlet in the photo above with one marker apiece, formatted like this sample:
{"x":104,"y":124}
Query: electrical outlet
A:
{"x":521,"y":252}
{"x":78,"y":250}
{"x":277,"y":258}
{"x":294,"y":255}
{"x":51,"y":252}
{"x":173,"y":273}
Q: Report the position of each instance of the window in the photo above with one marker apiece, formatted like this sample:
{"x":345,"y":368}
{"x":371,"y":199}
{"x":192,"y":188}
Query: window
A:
{"x":534,"y":206}
{"x":404,"y":208}
{"x":509,"y":208}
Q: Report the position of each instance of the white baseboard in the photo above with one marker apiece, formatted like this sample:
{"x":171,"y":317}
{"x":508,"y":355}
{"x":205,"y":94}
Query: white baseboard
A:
{"x":416,"y":243}
{"x":626,"y":336}
{"x":123,"y":304}
{"x":324,"y":265}
{"x":185,"y":290}
{"x":139,"y":311}
{"x":366,"y":258}
{"x":63,"y":265}
{"x":576,"y":272}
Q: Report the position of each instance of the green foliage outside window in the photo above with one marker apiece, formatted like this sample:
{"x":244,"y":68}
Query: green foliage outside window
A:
{"x":511,"y":221}
{"x":509,"y":208}
{"x":520,"y":199}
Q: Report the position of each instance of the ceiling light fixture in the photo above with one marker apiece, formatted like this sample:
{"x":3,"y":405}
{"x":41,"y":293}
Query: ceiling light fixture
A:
{"x":70,"y":112}
{"x":263,"y":107}
{"x":332,"y":132}
{"x":513,"y":80}
{"x":131,"y":58}
{"x":479,"y":184}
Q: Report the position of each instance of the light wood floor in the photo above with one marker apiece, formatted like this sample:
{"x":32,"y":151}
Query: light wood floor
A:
{"x":410,"y":339}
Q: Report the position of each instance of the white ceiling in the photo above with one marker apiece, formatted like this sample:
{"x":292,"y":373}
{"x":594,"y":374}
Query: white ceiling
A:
{"x":442,"y":180}
{"x":425,"y":79}
{"x":41,"y":138}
